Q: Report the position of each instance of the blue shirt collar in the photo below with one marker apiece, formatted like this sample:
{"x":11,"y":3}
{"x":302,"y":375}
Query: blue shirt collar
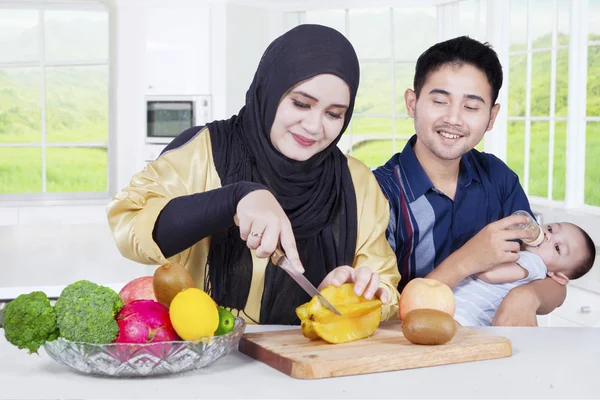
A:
{"x":417,"y":179}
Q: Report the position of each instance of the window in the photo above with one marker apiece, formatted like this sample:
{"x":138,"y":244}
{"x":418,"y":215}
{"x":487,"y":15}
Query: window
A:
{"x":53,"y":101}
{"x":592,"y":172}
{"x":380,"y":126}
{"x":537,"y":95}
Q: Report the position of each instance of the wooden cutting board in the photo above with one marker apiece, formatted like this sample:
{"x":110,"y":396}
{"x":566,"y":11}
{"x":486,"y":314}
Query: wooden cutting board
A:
{"x":387,"y":350}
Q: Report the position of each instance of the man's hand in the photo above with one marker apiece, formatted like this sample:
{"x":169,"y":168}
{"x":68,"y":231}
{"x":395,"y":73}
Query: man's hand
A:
{"x":495,"y":244}
{"x":490,"y":247}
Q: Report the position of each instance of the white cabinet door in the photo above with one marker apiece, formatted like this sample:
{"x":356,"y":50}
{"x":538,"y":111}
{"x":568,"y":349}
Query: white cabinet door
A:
{"x":558,"y":322}
{"x":581,"y":307}
{"x":178,"y":50}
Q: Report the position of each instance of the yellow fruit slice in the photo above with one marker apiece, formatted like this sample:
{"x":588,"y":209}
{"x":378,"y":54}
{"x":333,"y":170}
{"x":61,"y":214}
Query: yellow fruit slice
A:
{"x":349,"y":329}
{"x":360,"y":318}
{"x":194,"y":314}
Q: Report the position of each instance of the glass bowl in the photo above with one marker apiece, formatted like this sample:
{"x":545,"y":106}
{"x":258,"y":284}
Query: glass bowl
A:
{"x":148,"y":359}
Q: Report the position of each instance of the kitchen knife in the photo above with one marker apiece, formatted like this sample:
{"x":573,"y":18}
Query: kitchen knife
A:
{"x":278,"y":258}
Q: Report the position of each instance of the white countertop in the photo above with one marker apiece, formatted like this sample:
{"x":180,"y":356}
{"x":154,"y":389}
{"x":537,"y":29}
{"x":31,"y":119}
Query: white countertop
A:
{"x":546,"y":363}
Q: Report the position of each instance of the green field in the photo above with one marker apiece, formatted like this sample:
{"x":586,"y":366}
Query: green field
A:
{"x":77,"y":111}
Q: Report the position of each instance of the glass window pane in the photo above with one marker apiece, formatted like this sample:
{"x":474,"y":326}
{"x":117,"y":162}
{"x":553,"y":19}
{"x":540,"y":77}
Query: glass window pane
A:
{"x":538,"y":159}
{"x":19,"y":35}
{"x":592,"y":172}
{"x":373,"y":152}
{"x":481,"y":144}
{"x":518,"y":25}
{"x":593,"y":81}
{"x":559,"y":170}
{"x":375,"y":89}
{"x":371,"y":126}
{"x":20,"y":110}
{"x":517,"y":80}
{"x":407,"y":21}
{"x":564,"y":23}
{"x":405,"y":73}
{"x":370,"y":33}
{"x":76,"y":170}
{"x":335,"y":19}
{"x":594,"y":20}
{"x":76,"y":35}
{"x":77,"y":104}
{"x":540,"y":83}
{"x":516,"y":149}
{"x":541,"y":20}
{"x":562,"y":82}
{"x":20,"y":170}
{"x":405,"y":128}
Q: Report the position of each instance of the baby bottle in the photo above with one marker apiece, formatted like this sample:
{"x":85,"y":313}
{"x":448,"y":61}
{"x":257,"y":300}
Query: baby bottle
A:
{"x":532,"y":226}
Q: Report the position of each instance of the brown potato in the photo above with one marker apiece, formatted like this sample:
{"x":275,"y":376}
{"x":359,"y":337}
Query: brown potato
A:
{"x":168,"y":280}
{"x":427,"y":326}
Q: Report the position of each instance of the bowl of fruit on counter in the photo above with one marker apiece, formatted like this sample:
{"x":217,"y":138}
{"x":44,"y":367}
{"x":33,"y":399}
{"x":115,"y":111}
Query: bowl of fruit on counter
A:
{"x":156,"y":325}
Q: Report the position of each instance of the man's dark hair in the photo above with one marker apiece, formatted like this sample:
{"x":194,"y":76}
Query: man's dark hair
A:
{"x":588,"y":260}
{"x":456,"y":52}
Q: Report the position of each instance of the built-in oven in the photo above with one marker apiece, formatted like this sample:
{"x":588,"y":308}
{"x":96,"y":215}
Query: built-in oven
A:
{"x":168,"y":116}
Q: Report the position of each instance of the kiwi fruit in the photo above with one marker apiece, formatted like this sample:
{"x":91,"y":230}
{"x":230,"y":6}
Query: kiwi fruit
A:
{"x":170,"y":279}
{"x":428,"y":326}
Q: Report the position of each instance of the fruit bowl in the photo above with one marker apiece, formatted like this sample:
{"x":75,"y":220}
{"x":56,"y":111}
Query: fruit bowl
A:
{"x":151,"y":359}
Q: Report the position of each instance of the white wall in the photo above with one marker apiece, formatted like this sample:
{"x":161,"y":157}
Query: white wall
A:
{"x":248,"y":35}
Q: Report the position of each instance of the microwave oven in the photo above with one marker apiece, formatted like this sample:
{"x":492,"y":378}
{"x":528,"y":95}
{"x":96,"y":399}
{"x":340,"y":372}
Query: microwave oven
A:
{"x":168,"y":116}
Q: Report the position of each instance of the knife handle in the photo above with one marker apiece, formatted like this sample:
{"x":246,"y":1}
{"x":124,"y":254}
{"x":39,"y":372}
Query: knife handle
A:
{"x":277,"y":256}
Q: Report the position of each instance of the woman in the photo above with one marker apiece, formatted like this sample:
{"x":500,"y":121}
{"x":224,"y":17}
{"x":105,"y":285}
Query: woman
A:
{"x":276,"y":171}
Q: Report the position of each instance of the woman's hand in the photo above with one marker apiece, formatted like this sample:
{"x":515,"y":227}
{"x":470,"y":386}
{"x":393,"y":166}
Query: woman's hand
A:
{"x":263,"y":224}
{"x":366,"y":282}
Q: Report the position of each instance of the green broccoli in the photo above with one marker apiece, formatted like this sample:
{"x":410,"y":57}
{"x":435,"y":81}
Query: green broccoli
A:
{"x":30,"y":321}
{"x":85,"y":312}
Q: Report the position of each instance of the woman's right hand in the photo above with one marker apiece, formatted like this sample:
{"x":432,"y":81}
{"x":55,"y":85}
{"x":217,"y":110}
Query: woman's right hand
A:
{"x":263,"y":224}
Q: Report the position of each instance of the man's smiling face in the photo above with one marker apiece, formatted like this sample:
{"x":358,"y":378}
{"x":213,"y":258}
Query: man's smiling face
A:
{"x":453,"y":110}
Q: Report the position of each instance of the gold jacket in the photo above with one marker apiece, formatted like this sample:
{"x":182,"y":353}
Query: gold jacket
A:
{"x":190,"y":169}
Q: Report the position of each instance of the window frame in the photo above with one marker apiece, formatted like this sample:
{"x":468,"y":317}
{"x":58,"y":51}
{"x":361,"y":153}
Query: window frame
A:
{"x":40,"y":65}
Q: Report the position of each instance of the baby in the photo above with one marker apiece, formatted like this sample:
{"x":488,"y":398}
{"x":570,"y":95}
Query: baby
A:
{"x":567,"y":252}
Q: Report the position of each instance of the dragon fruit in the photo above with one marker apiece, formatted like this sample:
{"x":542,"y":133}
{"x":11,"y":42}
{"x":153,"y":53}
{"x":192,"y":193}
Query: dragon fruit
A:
{"x":145,"y":321}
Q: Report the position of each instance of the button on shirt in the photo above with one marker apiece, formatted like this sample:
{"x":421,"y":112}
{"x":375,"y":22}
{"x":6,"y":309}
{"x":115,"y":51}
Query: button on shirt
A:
{"x":426,"y":226}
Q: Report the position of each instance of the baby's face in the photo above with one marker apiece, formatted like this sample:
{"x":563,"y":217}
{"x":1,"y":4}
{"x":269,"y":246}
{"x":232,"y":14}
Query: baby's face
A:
{"x":563,"y":248}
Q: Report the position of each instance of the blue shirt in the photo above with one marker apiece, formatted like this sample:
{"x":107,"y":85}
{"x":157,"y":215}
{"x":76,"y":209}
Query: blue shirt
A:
{"x":426,"y":226}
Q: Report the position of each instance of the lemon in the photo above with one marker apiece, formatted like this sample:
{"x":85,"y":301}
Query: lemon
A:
{"x":194,"y":314}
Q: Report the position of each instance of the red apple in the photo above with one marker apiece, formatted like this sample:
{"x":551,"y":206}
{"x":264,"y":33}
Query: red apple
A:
{"x":426,"y":293}
{"x":138,"y":289}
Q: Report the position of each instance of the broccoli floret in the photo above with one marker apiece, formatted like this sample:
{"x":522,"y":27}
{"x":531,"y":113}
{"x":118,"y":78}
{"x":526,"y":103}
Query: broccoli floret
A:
{"x":85,"y":312}
{"x":30,"y":321}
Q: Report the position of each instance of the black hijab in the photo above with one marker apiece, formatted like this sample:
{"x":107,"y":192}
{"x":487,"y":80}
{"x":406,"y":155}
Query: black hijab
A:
{"x":317,"y":195}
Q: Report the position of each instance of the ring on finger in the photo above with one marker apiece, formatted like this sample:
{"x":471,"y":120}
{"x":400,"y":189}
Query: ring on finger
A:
{"x":256,"y":234}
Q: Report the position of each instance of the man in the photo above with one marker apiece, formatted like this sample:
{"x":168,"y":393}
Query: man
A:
{"x":451,"y":205}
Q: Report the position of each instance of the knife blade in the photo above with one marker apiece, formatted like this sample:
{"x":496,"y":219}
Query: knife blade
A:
{"x":279,"y":258}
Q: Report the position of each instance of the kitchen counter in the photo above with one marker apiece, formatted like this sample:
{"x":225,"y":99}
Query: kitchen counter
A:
{"x":546,"y":363}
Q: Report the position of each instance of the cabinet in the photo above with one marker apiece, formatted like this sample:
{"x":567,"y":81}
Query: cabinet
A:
{"x":178,"y":49}
{"x":581,"y":307}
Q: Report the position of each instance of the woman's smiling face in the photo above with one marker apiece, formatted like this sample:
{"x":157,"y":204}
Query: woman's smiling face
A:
{"x":310,"y":116}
